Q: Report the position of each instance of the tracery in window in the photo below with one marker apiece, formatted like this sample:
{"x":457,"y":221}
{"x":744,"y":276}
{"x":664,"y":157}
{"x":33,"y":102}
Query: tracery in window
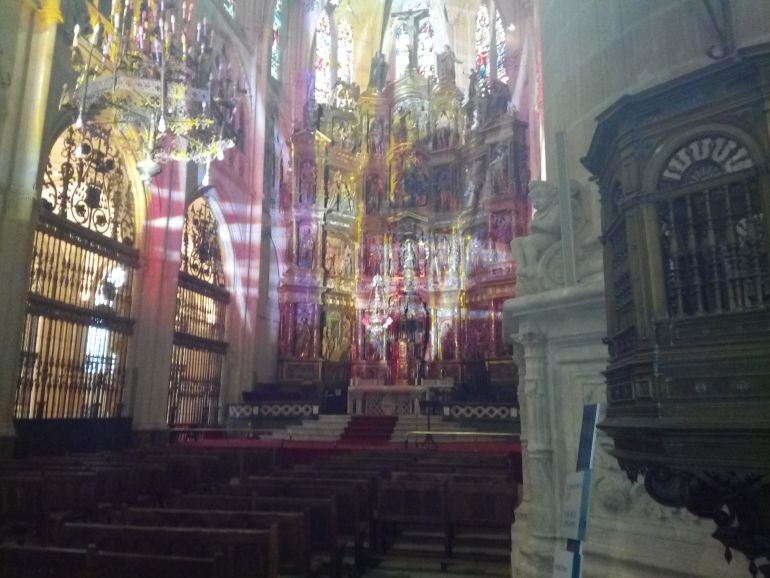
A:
{"x":426,"y":58}
{"x":323,"y":59}
{"x":275,"y":49}
{"x":344,"y":51}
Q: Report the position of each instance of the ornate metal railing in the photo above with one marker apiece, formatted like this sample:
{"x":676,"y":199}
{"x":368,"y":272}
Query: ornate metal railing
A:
{"x":198,"y":353}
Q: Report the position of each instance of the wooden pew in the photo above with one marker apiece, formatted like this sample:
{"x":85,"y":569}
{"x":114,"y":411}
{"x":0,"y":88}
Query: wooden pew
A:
{"x":244,"y":552}
{"x":324,"y":538}
{"x":18,"y":561}
{"x":293,"y":527}
{"x":414,"y":502}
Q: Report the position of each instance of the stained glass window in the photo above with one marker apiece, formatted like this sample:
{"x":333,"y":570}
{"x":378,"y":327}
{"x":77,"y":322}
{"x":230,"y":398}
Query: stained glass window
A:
{"x":344,"y":50}
{"x":482,"y":41}
{"x":275,"y":49}
{"x":502,"y":73}
{"x":323,"y":59}
{"x":229,"y":6}
{"x":426,"y":58}
{"x":403,"y":49}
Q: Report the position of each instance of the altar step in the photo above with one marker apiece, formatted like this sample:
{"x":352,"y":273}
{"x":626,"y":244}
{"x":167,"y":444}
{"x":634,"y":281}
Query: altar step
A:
{"x":369,"y":429}
{"x":407,"y":423}
{"x":326,"y":428}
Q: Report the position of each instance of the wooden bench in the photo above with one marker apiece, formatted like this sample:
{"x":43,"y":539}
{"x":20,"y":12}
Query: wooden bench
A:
{"x":244,"y":552}
{"x":51,"y":562}
{"x":324,"y":538}
{"x":293,"y":527}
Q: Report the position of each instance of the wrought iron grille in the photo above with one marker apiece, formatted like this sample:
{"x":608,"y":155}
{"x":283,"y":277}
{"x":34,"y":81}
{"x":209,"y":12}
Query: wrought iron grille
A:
{"x":70,"y":369}
{"x":85,"y":182}
{"x":623,"y":336}
{"x":78,"y":326}
{"x":196,"y":383}
{"x":714,"y":247}
{"x":201,"y":309}
{"x":201,"y":253}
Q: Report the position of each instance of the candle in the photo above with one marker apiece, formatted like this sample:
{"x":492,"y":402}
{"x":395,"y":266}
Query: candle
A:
{"x":75,"y":36}
{"x":95,"y":35}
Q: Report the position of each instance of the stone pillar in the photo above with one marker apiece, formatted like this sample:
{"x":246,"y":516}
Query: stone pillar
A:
{"x":156,"y":302}
{"x":534,"y":531}
{"x":22,"y":133}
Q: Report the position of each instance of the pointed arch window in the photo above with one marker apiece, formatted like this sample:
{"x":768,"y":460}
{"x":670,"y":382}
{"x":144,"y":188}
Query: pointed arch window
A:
{"x":483,"y":40}
{"x":78,"y":320}
{"x":323,"y":59}
{"x":198,"y":353}
{"x":275,"y":48}
{"x":344,"y":51}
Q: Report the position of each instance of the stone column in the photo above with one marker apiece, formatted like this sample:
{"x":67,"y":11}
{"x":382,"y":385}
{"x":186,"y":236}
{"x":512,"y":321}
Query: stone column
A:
{"x":22,"y":133}
{"x":156,"y":303}
{"x":533,"y":533}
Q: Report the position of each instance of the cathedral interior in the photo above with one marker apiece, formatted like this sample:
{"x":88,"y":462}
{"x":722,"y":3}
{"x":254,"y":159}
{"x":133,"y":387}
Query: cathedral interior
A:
{"x":363,"y":280}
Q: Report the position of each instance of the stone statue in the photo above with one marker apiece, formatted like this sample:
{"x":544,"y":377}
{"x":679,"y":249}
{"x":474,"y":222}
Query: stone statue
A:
{"x":540,"y":263}
{"x":545,"y":230}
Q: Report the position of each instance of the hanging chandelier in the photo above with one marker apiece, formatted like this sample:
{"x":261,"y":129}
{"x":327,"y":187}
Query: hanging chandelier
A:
{"x":169,"y":78}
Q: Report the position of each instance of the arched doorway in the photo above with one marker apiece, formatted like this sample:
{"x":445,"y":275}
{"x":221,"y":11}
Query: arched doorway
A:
{"x":78,"y":322}
{"x":199,"y":348}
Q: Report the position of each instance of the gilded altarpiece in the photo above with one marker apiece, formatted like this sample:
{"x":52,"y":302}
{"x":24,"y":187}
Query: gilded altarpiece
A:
{"x":406,"y":198}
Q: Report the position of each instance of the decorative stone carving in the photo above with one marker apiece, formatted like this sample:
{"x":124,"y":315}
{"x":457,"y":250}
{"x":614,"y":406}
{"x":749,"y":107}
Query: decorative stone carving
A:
{"x":539,"y":258}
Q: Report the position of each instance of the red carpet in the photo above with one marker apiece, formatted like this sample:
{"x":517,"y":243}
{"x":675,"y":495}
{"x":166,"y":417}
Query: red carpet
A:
{"x":369,"y":429}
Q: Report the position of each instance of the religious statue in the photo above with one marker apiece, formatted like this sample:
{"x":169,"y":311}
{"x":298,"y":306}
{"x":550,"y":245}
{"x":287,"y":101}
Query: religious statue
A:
{"x":447,"y":340}
{"x":446,"y":66}
{"x":347,"y":198}
{"x":303,"y":346}
{"x":326,"y":350}
{"x":443,"y":135}
{"x":473,"y":84}
{"x":378,"y":73}
{"x":408,"y":257}
{"x":307,"y":183}
{"x":333,"y":195}
{"x":306,"y":257}
{"x":499,"y":170}
{"x":376,"y":137}
{"x":374,"y":192}
{"x":347,"y":268}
